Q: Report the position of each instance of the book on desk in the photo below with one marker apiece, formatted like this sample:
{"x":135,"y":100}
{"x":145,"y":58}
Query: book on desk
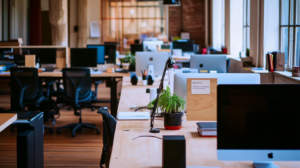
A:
{"x":207,"y":129}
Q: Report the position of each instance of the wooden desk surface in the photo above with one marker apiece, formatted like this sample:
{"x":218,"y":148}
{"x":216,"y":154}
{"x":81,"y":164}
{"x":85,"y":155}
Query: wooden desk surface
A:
{"x":6,"y":119}
{"x":134,"y":94}
{"x":147,"y":151}
{"x":59,"y":74}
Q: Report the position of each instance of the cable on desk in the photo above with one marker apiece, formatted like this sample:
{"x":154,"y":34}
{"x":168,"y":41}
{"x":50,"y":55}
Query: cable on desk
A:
{"x":146,"y":136}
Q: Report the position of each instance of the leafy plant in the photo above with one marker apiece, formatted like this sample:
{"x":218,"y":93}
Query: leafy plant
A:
{"x":129,"y":59}
{"x":151,"y":104}
{"x":170,"y":103}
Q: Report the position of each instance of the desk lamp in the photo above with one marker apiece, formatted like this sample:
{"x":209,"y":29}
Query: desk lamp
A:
{"x":161,"y":87}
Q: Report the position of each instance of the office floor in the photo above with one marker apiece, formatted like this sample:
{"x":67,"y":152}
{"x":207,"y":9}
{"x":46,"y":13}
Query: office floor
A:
{"x":61,"y":150}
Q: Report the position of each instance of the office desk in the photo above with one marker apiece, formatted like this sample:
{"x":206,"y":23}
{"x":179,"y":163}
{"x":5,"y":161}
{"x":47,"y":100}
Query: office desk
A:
{"x":134,"y":94}
{"x":6,"y":119}
{"x":147,"y":151}
{"x":102,"y":76}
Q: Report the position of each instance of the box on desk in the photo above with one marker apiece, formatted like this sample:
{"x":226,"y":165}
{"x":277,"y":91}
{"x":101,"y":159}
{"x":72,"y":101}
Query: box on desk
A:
{"x":30,"y":61}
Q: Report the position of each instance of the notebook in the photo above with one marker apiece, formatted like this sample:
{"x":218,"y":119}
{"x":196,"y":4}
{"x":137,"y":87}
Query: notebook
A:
{"x":133,"y":116}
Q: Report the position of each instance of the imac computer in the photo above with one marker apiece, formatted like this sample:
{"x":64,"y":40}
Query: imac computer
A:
{"x":223,"y":78}
{"x":152,"y":45}
{"x":258,"y":123}
{"x":84,"y":57}
{"x":157,"y":59}
{"x":135,"y":48}
{"x":185,"y":46}
{"x":209,"y":63}
{"x":100,"y":52}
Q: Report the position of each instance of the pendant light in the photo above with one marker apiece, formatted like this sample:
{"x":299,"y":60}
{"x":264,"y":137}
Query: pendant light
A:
{"x":171,"y":2}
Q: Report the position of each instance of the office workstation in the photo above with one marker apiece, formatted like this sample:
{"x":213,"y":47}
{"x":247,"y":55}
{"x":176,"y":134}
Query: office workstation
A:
{"x":149,"y":84}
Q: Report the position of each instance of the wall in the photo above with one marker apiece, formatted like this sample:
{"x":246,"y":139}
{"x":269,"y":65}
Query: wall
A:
{"x":93,"y":8}
{"x":217,"y":24}
{"x":236,"y":27}
{"x":189,"y":17}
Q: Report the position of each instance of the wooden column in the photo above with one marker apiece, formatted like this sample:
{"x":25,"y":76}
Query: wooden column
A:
{"x":58,"y":16}
{"x":82,"y":23}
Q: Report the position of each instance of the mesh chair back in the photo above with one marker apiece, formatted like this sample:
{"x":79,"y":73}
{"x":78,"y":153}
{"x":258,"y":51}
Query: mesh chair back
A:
{"x":77,"y":78}
{"x":24,"y":78}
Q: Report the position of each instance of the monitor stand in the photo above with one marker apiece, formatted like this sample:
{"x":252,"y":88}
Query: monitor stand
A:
{"x":264,"y":165}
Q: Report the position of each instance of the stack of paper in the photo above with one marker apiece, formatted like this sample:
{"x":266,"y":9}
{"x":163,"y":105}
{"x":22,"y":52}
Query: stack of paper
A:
{"x":133,"y":116}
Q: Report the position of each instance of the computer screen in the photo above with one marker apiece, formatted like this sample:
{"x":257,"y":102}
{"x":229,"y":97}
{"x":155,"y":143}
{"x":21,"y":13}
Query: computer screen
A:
{"x":260,"y":120}
{"x":100,"y":52}
{"x":185,"y":46}
{"x":136,"y":47}
{"x":209,"y":63}
{"x":83,"y":57}
{"x":45,"y":55}
{"x":110,"y":51}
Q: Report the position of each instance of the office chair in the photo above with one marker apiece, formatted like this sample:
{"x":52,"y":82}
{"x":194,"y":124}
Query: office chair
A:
{"x":227,"y":64}
{"x":26,"y":91}
{"x":77,"y":93}
{"x":109,"y":127}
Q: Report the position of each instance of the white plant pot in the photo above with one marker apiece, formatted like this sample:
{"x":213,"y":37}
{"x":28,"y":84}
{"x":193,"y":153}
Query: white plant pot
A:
{"x":125,"y":66}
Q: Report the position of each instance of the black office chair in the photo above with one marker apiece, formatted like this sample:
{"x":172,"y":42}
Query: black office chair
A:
{"x":77,"y":93}
{"x":109,"y":127}
{"x":227,"y":64}
{"x":26,"y":91}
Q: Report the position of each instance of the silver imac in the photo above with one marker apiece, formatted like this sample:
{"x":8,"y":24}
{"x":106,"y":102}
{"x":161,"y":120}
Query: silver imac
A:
{"x":209,"y":63}
{"x":157,"y":59}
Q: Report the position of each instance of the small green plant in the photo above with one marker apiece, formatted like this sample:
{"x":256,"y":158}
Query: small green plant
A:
{"x":170,"y":103}
{"x":128,"y":59}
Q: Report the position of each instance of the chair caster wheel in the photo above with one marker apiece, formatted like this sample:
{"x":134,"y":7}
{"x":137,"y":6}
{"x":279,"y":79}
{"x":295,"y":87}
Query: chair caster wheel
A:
{"x":73,"y":135}
{"x":93,"y":108}
{"x":58,"y":131}
{"x":98,"y":132}
{"x":51,"y":131}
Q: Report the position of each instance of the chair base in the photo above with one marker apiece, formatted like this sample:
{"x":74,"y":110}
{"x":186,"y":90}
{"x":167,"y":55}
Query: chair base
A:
{"x":78,"y":126}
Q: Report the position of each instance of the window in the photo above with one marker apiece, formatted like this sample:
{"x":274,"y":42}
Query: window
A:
{"x":125,"y":21}
{"x":290,"y":31}
{"x":246,"y":25}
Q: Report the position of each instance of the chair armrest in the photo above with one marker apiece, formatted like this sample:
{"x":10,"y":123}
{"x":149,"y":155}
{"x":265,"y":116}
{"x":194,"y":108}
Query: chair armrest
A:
{"x":98,"y":82}
{"x":48,"y":88}
{"x":21,"y":95}
{"x":76,"y":97}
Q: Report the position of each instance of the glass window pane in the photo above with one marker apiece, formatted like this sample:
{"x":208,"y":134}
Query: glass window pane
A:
{"x":284,"y":12}
{"x":244,"y":38}
{"x":284,"y":42}
{"x":291,"y":46}
{"x":297,"y":56}
{"x":292,"y":12}
{"x":297,"y":12}
{"x":248,"y":12}
{"x":244,"y":12}
{"x":248,"y":37}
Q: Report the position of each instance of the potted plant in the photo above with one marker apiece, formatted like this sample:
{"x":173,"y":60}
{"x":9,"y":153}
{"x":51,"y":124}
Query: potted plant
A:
{"x":128,"y":61}
{"x":172,"y":106}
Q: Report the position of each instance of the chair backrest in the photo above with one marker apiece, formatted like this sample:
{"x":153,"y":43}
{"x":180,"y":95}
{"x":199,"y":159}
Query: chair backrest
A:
{"x":77,"y":78}
{"x":109,"y":127}
{"x":22,"y":78}
{"x":227,"y":64}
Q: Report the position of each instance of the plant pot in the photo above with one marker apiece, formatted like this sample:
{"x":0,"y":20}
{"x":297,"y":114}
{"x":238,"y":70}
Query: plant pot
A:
{"x":125,"y":66}
{"x":173,"y":121}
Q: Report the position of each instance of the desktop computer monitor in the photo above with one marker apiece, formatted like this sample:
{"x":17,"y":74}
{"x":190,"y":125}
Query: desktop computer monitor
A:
{"x":45,"y":55}
{"x":209,"y":63}
{"x":152,"y":45}
{"x":100,"y":52}
{"x":110,"y":53}
{"x":157,"y":59}
{"x":83,"y":57}
{"x":135,"y":48}
{"x":223,"y":78}
{"x":185,"y":46}
{"x":258,"y":123}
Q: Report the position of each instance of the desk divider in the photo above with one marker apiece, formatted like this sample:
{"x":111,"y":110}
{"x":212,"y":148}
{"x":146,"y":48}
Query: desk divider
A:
{"x":202,"y":107}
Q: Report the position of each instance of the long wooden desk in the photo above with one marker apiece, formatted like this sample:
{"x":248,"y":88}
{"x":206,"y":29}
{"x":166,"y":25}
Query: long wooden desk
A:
{"x":147,"y":151}
{"x":6,"y":119}
{"x":103,"y":76}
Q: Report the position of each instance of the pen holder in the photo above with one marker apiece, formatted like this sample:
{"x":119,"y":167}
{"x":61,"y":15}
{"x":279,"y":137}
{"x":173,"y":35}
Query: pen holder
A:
{"x":145,"y":80}
{"x":150,"y":80}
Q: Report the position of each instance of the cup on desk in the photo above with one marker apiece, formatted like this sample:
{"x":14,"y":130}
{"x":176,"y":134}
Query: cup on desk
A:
{"x":145,"y":82}
{"x":295,"y":71}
